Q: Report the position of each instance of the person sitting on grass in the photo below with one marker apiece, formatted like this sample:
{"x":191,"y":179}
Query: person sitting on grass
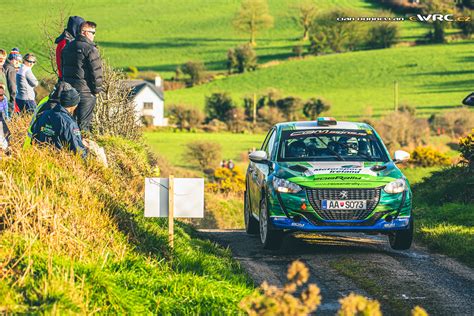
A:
{"x":56,"y":126}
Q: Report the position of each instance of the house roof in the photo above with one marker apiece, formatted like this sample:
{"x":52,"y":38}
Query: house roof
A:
{"x":138,"y":85}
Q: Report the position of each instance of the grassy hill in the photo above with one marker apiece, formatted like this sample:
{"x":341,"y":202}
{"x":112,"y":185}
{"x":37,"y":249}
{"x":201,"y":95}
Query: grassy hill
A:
{"x":432,"y":78}
{"x":73,"y":240}
{"x":159,"y":35}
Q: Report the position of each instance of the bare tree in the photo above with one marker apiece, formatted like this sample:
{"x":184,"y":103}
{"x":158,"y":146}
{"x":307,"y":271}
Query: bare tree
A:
{"x":304,"y":15}
{"x":51,"y":26}
{"x":115,"y":113}
{"x":252,"y":17}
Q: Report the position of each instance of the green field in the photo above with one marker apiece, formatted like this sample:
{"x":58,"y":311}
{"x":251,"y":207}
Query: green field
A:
{"x":432,"y":78}
{"x":159,"y":35}
{"x":172,"y":146}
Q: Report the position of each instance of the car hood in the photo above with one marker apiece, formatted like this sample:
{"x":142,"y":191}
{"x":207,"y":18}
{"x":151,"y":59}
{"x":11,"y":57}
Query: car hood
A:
{"x":344,"y":174}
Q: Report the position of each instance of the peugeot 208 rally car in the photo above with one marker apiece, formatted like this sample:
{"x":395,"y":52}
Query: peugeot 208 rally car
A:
{"x":326,"y":176}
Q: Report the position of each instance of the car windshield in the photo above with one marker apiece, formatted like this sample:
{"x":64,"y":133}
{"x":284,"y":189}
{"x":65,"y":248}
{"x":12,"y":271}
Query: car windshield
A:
{"x":330,"y":145}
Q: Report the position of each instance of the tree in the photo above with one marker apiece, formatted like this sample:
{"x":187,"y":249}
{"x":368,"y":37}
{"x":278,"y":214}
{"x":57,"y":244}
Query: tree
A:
{"x":382,"y":35}
{"x":184,"y":117}
{"x":218,"y":105}
{"x":195,"y":70}
{"x":290,"y":107}
{"x":437,"y":33}
{"x":304,"y":15}
{"x":314,"y":107}
{"x":246,"y":58}
{"x":253,"y":17}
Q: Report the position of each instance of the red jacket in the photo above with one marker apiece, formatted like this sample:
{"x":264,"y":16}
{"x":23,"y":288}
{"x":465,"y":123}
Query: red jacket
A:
{"x":59,"y":50}
{"x":72,"y":30}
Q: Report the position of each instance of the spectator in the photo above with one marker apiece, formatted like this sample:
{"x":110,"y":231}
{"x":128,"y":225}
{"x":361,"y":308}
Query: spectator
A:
{"x":57,"y":126}
{"x":10,"y":68}
{"x":4,"y":110}
{"x":223,"y":164}
{"x":4,"y":134}
{"x":82,"y":68}
{"x":3,"y":77}
{"x":25,"y":84}
{"x":230,"y":164}
{"x":69,"y":34}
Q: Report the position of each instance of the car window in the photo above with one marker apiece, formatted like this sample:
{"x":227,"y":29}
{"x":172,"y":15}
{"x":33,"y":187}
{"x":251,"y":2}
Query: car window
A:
{"x":267,"y":138}
{"x":270,"y":145}
{"x":331,"y":145}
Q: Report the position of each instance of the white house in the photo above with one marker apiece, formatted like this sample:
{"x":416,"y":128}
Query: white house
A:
{"x":149,"y":100}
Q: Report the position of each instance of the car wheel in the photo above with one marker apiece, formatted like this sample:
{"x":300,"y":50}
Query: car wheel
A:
{"x":402,"y":239}
{"x":251,"y":224}
{"x":270,"y":238}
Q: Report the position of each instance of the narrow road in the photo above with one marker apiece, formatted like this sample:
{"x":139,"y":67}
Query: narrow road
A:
{"x":341,"y":263}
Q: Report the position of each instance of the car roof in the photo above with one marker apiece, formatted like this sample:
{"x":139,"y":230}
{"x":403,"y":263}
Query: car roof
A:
{"x":314,"y":125}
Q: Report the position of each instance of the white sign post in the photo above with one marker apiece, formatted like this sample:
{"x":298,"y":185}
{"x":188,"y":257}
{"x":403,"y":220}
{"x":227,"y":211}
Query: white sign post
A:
{"x":174,"y":197}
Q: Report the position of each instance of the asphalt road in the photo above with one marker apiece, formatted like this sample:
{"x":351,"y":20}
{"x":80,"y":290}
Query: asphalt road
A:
{"x":342,"y":263}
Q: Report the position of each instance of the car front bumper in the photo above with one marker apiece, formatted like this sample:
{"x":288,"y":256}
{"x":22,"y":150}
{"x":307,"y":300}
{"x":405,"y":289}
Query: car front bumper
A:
{"x":381,"y":225}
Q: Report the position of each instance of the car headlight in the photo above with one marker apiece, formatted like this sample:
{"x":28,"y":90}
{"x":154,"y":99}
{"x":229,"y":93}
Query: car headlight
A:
{"x":284,"y":186}
{"x":397,"y":186}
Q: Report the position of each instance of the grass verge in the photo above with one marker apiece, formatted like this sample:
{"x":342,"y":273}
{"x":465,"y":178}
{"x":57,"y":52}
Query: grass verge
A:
{"x":73,"y":239}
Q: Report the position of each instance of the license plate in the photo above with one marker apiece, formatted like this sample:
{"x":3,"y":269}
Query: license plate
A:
{"x":343,"y":204}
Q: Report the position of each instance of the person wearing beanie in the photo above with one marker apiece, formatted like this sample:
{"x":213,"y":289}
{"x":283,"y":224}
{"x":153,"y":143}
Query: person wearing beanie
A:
{"x":69,"y":34}
{"x":12,"y":64}
{"x":3,"y":77}
{"x":25,"y":84}
{"x":57,"y":126}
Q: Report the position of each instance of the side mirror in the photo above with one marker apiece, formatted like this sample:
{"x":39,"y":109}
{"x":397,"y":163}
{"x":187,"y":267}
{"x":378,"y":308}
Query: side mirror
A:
{"x":259,"y":156}
{"x":400,"y":156}
{"x":469,"y":100}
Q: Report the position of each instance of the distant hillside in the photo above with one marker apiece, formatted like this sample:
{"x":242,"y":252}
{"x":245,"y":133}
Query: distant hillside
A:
{"x":432,"y":78}
{"x":158,"y":35}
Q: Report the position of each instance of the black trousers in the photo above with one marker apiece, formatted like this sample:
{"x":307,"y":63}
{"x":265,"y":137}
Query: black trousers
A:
{"x":84,"y":111}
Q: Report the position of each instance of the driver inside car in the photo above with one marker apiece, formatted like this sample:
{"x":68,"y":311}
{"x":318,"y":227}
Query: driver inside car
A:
{"x":297,"y":149}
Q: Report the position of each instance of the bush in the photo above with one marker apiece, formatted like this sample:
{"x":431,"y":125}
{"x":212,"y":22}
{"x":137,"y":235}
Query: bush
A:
{"x":132,"y":72}
{"x":195,"y":70}
{"x":330,"y":35}
{"x":271,"y":115}
{"x":147,"y":120}
{"x":456,"y":122}
{"x":314,"y":107}
{"x":114,"y":113}
{"x":215,"y":126}
{"x":218,"y":106}
{"x":231,"y":62}
{"x":227,"y":181}
{"x":184,"y":117}
{"x":466,"y":147}
{"x":236,"y":120}
{"x":402,"y":129}
{"x":382,"y":35}
{"x":205,"y":154}
{"x":245,"y":58}
{"x":291,"y":107}
{"x":428,"y":157}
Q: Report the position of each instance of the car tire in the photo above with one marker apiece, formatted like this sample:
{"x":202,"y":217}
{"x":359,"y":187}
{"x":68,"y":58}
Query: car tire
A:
{"x":251,"y":224}
{"x":402,"y":239}
{"x":271,"y":238}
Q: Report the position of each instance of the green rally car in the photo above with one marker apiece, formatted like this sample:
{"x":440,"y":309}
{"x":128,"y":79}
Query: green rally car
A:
{"x":326,"y":176}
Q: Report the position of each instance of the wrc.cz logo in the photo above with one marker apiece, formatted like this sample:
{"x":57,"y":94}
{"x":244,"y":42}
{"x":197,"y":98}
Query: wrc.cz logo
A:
{"x":439,"y":17}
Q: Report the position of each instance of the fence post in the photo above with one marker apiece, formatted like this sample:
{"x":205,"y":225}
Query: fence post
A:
{"x":171,"y":211}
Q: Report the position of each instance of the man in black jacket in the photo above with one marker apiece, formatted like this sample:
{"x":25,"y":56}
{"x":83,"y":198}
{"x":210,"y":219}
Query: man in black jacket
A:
{"x":82,"y":69}
{"x":10,"y":67}
{"x":57,"y":127}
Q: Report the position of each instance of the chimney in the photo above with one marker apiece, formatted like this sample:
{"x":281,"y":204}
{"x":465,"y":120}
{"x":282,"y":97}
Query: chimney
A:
{"x":158,"y":81}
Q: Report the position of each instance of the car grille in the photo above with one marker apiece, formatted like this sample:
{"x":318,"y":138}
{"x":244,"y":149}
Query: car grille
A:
{"x":372,"y":196}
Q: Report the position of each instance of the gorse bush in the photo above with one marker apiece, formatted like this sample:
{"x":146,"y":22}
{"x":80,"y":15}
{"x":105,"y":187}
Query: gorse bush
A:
{"x":225,"y":180}
{"x":428,"y":157}
{"x":466,"y":148}
{"x":271,"y":300}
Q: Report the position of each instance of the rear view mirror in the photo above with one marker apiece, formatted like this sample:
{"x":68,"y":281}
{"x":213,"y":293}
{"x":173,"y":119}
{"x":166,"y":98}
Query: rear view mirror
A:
{"x":400,"y":156}
{"x":469,"y":100}
{"x":259,"y":156}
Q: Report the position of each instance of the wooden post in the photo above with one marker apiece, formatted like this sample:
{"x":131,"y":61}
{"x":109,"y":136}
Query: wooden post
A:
{"x":395,"y":83}
{"x":171,"y":211}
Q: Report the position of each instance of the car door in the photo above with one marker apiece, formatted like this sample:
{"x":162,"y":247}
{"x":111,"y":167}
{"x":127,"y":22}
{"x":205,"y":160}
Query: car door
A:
{"x":261,"y":172}
{"x":253,"y":193}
